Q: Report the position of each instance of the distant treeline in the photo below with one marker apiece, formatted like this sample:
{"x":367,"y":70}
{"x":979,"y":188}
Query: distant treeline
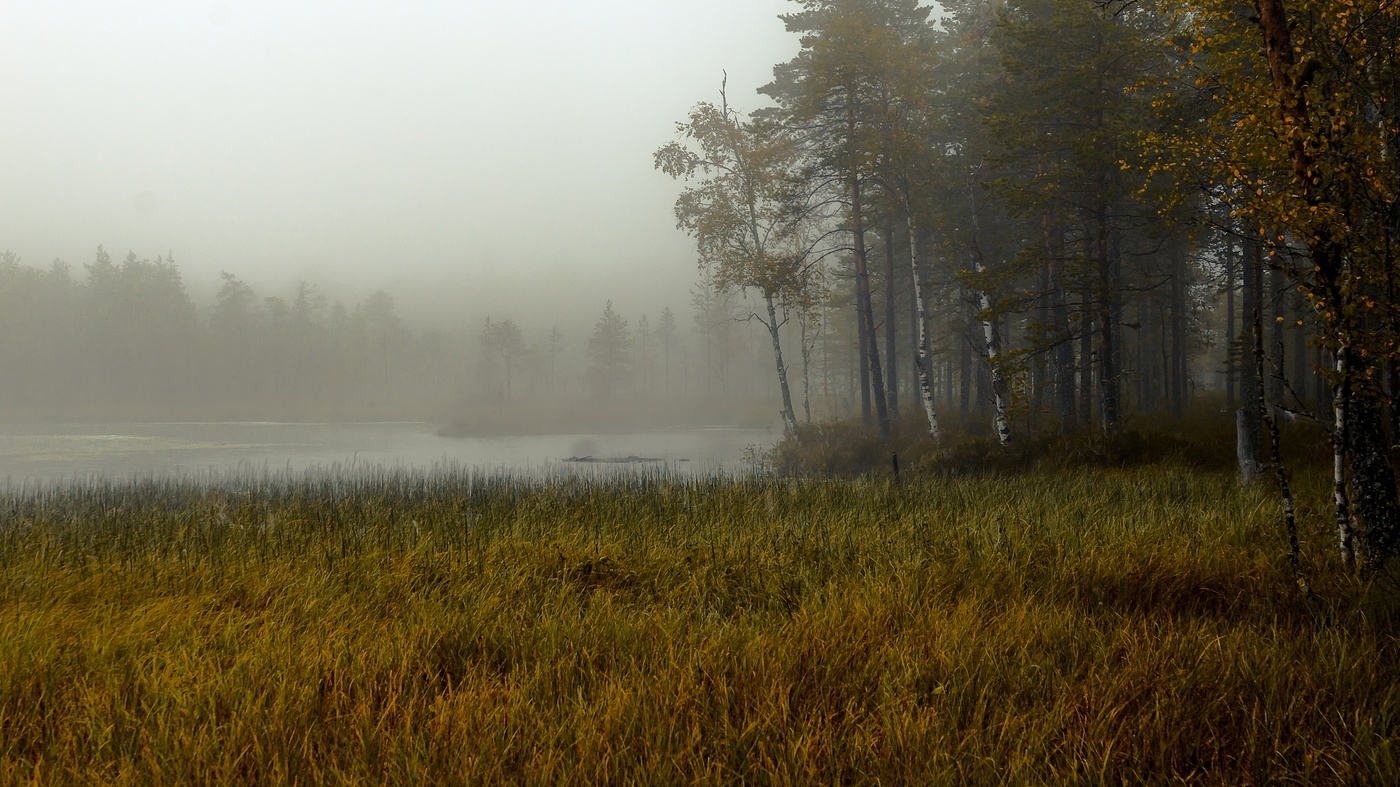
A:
{"x":125,"y":340}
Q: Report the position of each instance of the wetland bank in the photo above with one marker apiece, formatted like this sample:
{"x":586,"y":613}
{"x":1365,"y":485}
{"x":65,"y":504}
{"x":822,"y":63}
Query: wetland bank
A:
{"x":1098,"y":625}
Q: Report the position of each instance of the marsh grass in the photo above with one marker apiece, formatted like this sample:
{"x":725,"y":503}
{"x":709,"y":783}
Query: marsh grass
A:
{"x":1097,"y":626}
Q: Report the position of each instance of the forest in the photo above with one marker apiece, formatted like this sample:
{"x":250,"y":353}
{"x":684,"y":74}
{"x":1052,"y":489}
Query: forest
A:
{"x":1068,"y":215}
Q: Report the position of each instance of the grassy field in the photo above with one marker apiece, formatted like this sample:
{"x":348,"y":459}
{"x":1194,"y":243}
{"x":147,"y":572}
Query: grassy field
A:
{"x":1098,"y":626}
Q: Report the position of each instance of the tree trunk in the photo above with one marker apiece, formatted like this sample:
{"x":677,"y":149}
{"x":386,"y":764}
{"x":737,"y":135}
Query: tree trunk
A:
{"x":1230,"y":328}
{"x":891,"y":368}
{"x":805,"y":324}
{"x":1108,"y":347}
{"x":924,"y":361}
{"x":1177,"y":368}
{"x":1277,"y":377}
{"x":789,"y":416}
{"x":1341,"y":428}
{"x":916,"y":318}
{"x":1086,"y":359}
{"x":1276,"y":452}
{"x":1146,"y":391}
{"x":982,"y":379}
{"x":1247,"y":435}
{"x":1247,"y":445}
{"x":948,"y":396}
{"x":863,"y":300}
{"x":1168,"y":389}
{"x":991,"y":333}
{"x":1040,"y":370}
{"x":1062,"y":335}
{"x":863,"y":366}
{"x":965,"y":371}
{"x":1373,"y":483}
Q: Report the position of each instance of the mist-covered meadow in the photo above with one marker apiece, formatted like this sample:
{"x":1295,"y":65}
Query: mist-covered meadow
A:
{"x":724,"y":392}
{"x":1110,"y":626}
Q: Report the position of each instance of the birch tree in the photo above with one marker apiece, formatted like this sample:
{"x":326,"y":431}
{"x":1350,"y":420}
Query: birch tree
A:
{"x":1302,"y":139}
{"x":909,"y":125}
{"x":742,"y":209}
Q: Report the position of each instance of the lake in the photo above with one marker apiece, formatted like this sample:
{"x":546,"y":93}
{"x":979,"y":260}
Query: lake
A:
{"x":48,"y":452}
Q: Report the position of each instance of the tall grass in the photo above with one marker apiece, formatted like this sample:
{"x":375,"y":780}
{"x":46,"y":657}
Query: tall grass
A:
{"x":1102,"y":626}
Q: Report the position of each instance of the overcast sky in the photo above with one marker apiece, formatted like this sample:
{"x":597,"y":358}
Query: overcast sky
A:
{"x":412,"y":145}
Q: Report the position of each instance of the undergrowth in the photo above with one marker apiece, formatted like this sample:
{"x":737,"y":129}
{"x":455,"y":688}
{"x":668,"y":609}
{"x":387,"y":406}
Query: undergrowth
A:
{"x":1201,"y":440}
{"x":1106,"y":625}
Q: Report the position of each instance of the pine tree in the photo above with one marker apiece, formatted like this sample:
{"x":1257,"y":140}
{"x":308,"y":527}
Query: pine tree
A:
{"x":609,"y":353}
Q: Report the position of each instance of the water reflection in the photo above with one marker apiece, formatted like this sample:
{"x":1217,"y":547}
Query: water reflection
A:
{"x":76,"y":451}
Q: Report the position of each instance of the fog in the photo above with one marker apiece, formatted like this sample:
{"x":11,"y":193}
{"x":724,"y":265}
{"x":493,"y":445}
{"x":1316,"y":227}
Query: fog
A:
{"x":468,"y":158}
{"x":508,"y":220}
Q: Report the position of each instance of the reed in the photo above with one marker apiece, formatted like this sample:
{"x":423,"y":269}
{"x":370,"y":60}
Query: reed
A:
{"x":1102,"y":625}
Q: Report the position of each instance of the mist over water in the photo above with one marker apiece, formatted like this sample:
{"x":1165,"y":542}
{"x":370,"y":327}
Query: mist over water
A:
{"x":254,"y":235}
{"x":214,"y":451}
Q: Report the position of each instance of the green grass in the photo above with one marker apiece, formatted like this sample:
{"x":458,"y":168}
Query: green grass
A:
{"x":1098,"y":626}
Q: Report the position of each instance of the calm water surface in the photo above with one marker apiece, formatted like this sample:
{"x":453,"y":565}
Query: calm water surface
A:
{"x":68,"y":451}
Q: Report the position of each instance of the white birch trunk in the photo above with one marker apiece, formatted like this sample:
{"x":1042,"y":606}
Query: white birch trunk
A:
{"x":789,"y":416}
{"x":1266,"y":416}
{"x":925,"y":388}
{"x":1346,"y":536}
{"x":992,"y":334}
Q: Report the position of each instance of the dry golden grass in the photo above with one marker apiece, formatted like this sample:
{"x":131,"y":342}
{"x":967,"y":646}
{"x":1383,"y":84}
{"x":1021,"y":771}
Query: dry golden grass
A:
{"x":1105,"y":626}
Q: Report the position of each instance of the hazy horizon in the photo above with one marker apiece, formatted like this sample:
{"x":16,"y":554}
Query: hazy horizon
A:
{"x":472,"y":156}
